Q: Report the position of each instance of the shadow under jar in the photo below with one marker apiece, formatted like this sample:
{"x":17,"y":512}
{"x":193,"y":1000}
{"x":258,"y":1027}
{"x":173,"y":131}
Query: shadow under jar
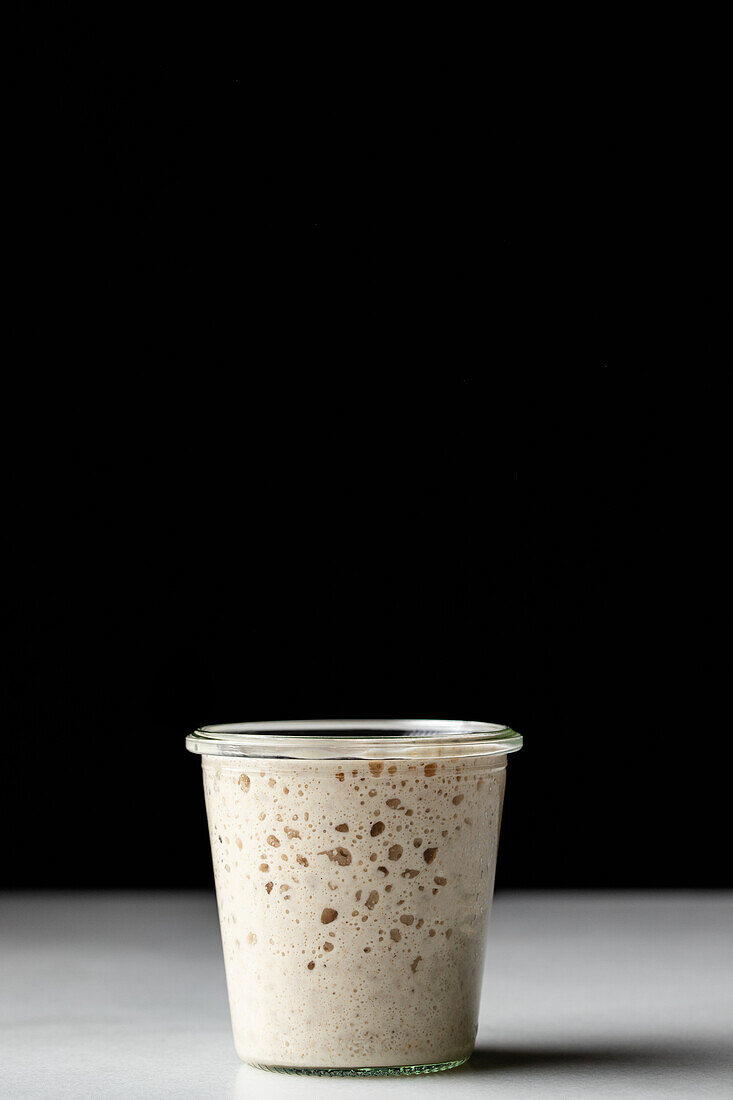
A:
{"x":354,"y":864}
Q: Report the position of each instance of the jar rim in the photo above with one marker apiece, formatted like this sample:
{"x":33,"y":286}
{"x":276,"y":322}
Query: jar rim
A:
{"x":365,"y":738}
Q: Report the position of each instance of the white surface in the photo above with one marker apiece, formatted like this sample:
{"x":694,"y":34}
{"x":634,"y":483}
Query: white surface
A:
{"x":122,"y":995}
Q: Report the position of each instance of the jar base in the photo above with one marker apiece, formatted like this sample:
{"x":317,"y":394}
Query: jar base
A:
{"x":363,"y":1071}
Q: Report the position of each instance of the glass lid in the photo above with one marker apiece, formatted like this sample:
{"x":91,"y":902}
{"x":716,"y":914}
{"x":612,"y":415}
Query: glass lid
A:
{"x":357,"y":738}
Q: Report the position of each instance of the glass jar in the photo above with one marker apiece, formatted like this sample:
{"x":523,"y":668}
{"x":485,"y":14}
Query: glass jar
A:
{"x":354,"y":865}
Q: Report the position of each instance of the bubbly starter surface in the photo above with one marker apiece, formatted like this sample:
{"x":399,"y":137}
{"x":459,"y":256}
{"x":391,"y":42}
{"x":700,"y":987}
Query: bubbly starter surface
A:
{"x":354,"y":898}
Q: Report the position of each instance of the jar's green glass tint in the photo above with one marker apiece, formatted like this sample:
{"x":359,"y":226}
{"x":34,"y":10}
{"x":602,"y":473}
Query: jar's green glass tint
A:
{"x":366,"y":1071}
{"x":354,"y":864}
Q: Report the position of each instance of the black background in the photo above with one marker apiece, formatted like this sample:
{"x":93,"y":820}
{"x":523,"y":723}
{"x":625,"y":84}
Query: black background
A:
{"x":289,"y":441}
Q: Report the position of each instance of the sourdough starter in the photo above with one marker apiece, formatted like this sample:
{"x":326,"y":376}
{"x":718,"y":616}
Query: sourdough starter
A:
{"x":354,"y":899}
